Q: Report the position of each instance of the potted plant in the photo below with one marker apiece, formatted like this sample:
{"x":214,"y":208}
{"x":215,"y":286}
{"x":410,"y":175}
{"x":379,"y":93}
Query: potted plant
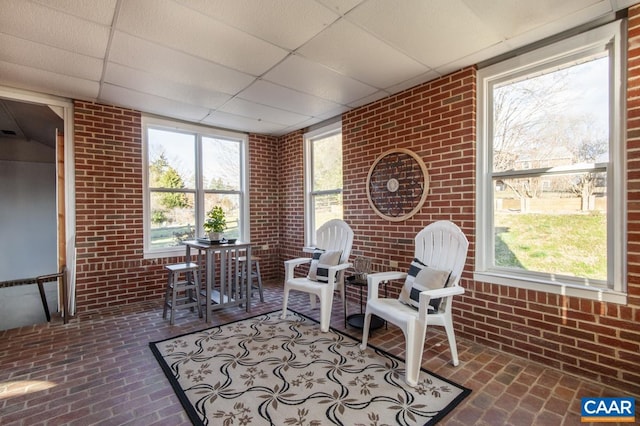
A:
{"x":215,"y":224}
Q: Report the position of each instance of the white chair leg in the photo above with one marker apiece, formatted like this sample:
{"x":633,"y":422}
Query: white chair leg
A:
{"x":365,"y":330}
{"x":451,"y":336}
{"x":285,"y":300}
{"x":414,"y":346}
{"x":312,"y":301}
{"x":326,"y":302}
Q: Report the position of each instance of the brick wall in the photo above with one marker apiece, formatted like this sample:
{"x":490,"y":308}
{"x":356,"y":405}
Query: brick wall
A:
{"x":109,"y":236}
{"x":291,"y":187}
{"x":111,"y":269}
{"x":265,"y":167}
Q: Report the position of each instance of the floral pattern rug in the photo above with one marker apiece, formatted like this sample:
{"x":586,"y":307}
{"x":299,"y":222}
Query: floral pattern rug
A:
{"x":269,"y":371}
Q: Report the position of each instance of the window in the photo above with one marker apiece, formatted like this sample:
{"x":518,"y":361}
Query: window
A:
{"x":323,"y":178}
{"x":550,"y":202}
{"x":188,"y":170}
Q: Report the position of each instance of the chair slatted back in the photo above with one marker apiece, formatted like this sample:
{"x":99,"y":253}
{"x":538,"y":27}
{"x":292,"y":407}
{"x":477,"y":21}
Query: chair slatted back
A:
{"x":335,"y":235}
{"x":442,"y":245}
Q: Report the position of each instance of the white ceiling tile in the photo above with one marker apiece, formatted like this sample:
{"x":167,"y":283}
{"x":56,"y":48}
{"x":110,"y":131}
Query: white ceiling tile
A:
{"x":47,"y":82}
{"x":340,"y":6}
{"x":285,"y":23}
{"x":141,"y":81}
{"x":40,"y":24}
{"x":264,"y":66}
{"x":97,"y":11}
{"x":432,"y":32}
{"x":183,"y":29}
{"x":559,"y":25}
{"x":333,"y":112}
{"x":622,"y":4}
{"x":368,"y":99}
{"x":352,"y":52}
{"x":284,"y":98}
{"x":244,"y":124}
{"x":182,"y":68}
{"x":144,"y":102}
{"x":49,"y":58}
{"x":262,"y":112}
{"x":513,"y":18}
{"x":407,"y":84}
{"x":301,"y":74}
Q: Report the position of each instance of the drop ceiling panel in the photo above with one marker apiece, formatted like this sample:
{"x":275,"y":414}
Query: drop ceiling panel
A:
{"x":285,"y":23}
{"x":168,"y":23}
{"x":511,"y":19}
{"x":243,"y":124}
{"x":152,"y":104}
{"x":287,"y":99}
{"x":341,"y":6}
{"x":346,"y":49}
{"x":177,"y":66}
{"x":301,"y":74}
{"x":260,"y":112}
{"x":273,"y":66}
{"x":100,"y":12}
{"x":371,"y":98}
{"x":53,"y":28}
{"x":49,"y":58}
{"x":47,"y":82}
{"x":432,"y":32}
{"x":141,"y":81}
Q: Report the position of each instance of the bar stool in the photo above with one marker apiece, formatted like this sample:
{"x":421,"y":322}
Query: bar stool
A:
{"x":255,"y":274}
{"x":182,"y":294}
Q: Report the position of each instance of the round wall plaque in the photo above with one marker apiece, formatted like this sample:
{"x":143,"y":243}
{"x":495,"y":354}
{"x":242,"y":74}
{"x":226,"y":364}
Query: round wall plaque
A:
{"x":397,"y":184}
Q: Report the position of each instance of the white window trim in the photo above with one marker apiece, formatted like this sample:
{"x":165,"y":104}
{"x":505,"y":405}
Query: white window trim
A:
{"x":309,"y":137}
{"x":177,"y":126}
{"x":610,"y":34}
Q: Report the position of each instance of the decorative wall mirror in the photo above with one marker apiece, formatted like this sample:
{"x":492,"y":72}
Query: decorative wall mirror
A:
{"x":397,"y":184}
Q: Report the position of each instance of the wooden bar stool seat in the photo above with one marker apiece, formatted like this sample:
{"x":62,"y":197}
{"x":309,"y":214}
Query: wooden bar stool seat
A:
{"x":255,"y":274}
{"x":182,"y":294}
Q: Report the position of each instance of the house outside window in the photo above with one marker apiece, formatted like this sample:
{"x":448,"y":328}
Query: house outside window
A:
{"x":551,"y":197}
{"x":323,"y":178}
{"x":188,"y":170}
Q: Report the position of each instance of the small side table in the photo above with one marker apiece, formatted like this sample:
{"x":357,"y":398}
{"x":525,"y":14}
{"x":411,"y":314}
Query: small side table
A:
{"x":357,"y":320}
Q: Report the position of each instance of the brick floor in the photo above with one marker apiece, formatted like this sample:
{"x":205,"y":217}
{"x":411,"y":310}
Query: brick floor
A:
{"x":98,"y":370}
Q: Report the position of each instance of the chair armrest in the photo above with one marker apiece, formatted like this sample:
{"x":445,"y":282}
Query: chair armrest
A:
{"x":427,"y":295}
{"x":289,"y":266}
{"x":333,"y":271}
{"x":374,"y":280}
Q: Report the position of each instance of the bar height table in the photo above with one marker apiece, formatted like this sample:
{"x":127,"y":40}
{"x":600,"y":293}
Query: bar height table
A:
{"x":225,"y":292}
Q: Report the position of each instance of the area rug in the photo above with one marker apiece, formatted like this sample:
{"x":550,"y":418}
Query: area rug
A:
{"x":268,"y":371}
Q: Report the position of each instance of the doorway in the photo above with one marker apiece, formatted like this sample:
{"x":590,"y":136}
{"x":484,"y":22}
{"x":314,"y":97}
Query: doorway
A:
{"x":29,"y":215}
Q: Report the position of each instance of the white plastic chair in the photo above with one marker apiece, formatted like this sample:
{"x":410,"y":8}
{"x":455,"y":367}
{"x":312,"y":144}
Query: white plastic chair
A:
{"x":333,"y":235}
{"x":443,"y":246}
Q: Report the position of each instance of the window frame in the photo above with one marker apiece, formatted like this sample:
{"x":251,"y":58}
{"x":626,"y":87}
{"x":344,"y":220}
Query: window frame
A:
{"x":610,"y":37}
{"x":199,"y":132}
{"x":309,"y":193}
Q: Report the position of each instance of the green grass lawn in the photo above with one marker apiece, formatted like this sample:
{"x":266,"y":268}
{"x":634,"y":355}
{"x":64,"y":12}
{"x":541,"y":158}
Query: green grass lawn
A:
{"x":571,"y":244}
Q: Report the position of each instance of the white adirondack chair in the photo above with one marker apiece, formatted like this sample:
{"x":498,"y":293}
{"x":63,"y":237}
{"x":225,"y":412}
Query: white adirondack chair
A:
{"x":442,"y":246}
{"x":334,"y":235}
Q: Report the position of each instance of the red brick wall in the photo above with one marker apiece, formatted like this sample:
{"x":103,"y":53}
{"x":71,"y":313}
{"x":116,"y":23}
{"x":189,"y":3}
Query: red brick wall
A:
{"x":437,"y":122}
{"x":291,"y":176}
{"x":111,"y":269}
{"x":109,"y":236}
{"x":265,"y":167}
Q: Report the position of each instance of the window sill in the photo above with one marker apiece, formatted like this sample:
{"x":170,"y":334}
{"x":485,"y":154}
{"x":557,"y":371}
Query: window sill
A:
{"x":564,"y":289}
{"x":177,"y":251}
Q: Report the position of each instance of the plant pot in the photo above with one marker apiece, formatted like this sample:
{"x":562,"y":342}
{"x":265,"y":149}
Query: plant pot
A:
{"x":215,"y":236}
